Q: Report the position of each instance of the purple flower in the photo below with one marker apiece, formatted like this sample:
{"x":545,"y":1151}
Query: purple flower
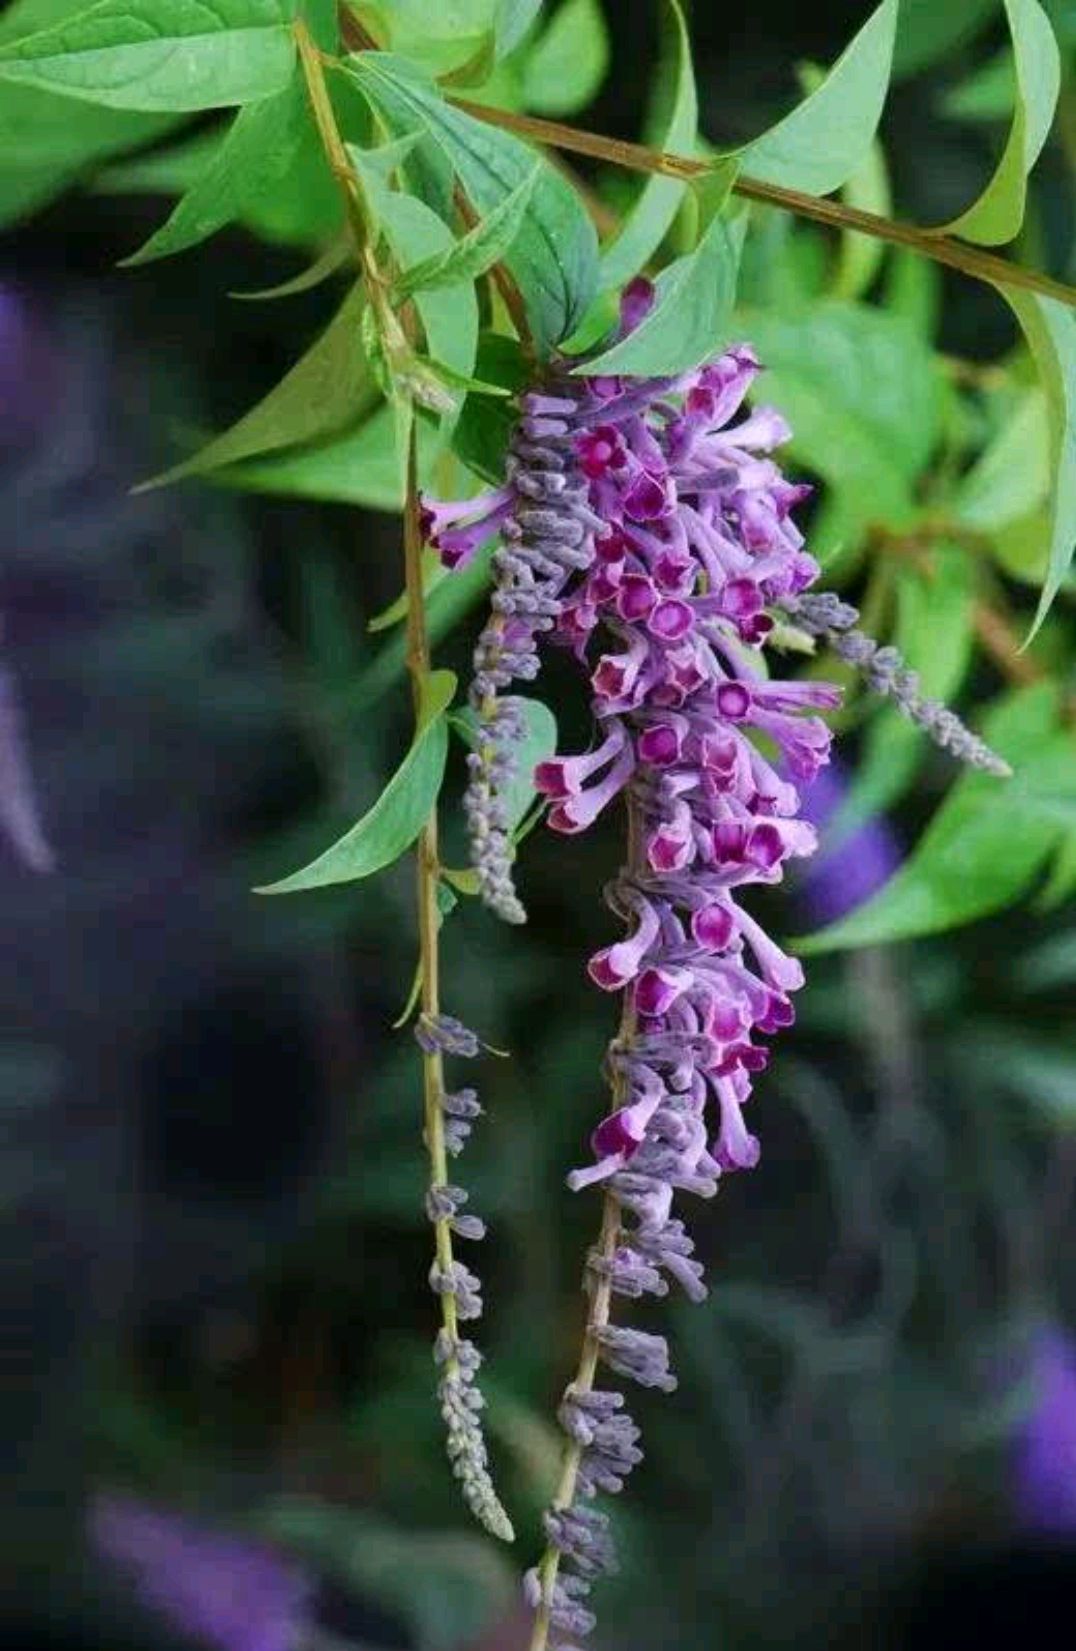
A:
{"x":1043,"y":1461}
{"x":223,"y":1589}
{"x":649,"y":533}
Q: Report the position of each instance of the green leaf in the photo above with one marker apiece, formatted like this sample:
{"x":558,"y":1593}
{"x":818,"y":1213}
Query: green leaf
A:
{"x":691,"y":313}
{"x":862,"y":392}
{"x":988,"y":95}
{"x":675,"y":130}
{"x":997,"y":215}
{"x":146,"y":54}
{"x":395,"y":820}
{"x":539,"y":743}
{"x":475,"y":252}
{"x":513,"y":22}
{"x":827,"y":137}
{"x":252,"y":160}
{"x":989,"y":839}
{"x":329,"y":388}
{"x":930,"y":31}
{"x":335,"y":256}
{"x":433,"y":573}
{"x":1050,"y":330}
{"x":444,"y":37}
{"x":566,"y":65}
{"x":554,"y":259}
{"x":485,"y":426}
{"x":861,"y":256}
{"x":1011,"y":477}
{"x":48,"y":142}
{"x":1060,"y":884}
{"x":934,"y":634}
{"x":302,"y":210}
{"x":417,"y":236}
{"x":361,"y":468}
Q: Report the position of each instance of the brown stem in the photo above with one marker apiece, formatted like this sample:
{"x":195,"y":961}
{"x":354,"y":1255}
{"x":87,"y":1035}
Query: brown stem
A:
{"x":636,"y":157}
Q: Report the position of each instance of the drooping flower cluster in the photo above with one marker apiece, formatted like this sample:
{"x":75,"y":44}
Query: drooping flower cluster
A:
{"x":457,"y":1358}
{"x":650,"y":534}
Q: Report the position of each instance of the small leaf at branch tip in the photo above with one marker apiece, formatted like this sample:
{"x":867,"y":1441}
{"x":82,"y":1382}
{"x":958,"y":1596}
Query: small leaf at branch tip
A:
{"x":412,"y":1001}
{"x":462,"y":878}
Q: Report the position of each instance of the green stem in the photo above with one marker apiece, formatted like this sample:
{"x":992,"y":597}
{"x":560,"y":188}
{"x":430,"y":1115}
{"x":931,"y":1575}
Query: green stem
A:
{"x":427,"y":874}
{"x":357,"y":211}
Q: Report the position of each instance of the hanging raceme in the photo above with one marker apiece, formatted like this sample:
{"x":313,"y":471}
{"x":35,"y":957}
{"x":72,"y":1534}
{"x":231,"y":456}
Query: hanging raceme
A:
{"x":560,"y":397}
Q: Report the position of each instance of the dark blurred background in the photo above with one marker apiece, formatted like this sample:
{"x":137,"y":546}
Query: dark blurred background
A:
{"x":212,"y":1166}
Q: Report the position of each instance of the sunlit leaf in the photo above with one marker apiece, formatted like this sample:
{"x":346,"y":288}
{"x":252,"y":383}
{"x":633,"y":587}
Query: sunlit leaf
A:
{"x":565,"y":66}
{"x":997,"y":215}
{"x":827,"y":137}
{"x":674,"y":130}
{"x":253,"y":159}
{"x":475,"y":252}
{"x":1011,"y":477}
{"x":418,"y":237}
{"x":554,"y":258}
{"x":329,"y":388}
{"x":160,"y":54}
{"x":395,"y":820}
{"x":513,"y":21}
{"x":692,"y":310}
{"x":1050,"y":330}
{"x":989,"y":839}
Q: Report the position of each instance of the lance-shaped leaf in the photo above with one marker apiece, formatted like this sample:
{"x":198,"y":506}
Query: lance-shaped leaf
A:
{"x":987,"y":842}
{"x":554,"y":258}
{"x":252,"y":161}
{"x":1050,"y":330}
{"x":418,"y":236}
{"x":475,"y":252}
{"x":395,"y":820}
{"x":674,"y":128}
{"x":363,"y":467}
{"x":334,"y":257}
{"x":997,"y":215}
{"x":692,"y":309}
{"x":564,"y":68}
{"x":327,"y":390}
{"x":160,"y":54}
{"x":827,"y":137}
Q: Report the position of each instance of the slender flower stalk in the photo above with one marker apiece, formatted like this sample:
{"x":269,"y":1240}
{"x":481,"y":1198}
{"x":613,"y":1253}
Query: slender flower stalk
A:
{"x":645,"y":528}
{"x":447,"y":1117}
